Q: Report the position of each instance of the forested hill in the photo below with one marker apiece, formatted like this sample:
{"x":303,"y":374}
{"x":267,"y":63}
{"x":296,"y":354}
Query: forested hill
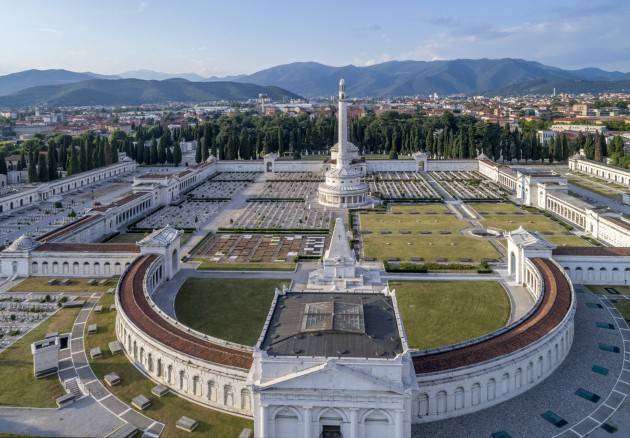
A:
{"x":110,"y":92}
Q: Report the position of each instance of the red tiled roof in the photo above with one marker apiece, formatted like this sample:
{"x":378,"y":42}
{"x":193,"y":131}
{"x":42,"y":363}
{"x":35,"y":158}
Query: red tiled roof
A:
{"x":88,"y":247}
{"x":68,"y":228}
{"x":591,"y":251}
{"x":121,"y":201}
{"x":136,"y":307}
{"x":556,"y":302}
{"x":617,"y":221}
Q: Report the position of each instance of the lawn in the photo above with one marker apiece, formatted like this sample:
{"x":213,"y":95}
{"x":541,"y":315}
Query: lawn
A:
{"x":433,"y":218}
{"x":429,"y":247}
{"x":18,"y":386}
{"x":624,"y":308}
{"x":566,"y":240}
{"x":410,"y":222}
{"x":604,"y":188}
{"x":166,"y":409}
{"x":234,"y":310}
{"x":214,"y":266}
{"x":509,"y":217}
{"x":436,"y":314}
{"x":624,"y":290}
{"x":40,"y":284}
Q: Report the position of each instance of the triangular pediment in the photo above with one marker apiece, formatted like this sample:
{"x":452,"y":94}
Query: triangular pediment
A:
{"x":332,"y":376}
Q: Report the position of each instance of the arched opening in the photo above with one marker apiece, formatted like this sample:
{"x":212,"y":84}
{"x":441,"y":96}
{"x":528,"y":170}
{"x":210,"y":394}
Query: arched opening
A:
{"x":459,"y":398}
{"x":512,"y":263}
{"x":423,"y":405}
{"x":228,"y":396}
{"x":245,"y":400}
{"x":376,"y":424}
{"x":441,"y":402}
{"x":174,"y":262}
{"x":286,"y":423}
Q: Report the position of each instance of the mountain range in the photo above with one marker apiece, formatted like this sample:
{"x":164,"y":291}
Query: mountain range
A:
{"x":505,"y":76}
{"x":118,"y":92}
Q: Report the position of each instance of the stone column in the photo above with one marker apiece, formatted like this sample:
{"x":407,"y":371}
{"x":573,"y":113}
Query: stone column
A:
{"x":308,"y":422}
{"x":264,"y":432}
{"x":354,"y":423}
{"x":399,"y":424}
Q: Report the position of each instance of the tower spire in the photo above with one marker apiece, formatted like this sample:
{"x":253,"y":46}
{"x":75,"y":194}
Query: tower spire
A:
{"x":342,"y":128}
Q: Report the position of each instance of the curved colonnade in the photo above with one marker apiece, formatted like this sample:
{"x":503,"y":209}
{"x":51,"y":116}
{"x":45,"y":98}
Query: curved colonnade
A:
{"x":452,"y":381}
{"x":200,"y":370}
{"x":478,"y":375}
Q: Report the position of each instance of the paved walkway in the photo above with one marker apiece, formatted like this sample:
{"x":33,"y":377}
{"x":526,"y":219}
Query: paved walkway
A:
{"x":231,"y":210}
{"x":521,"y":416}
{"x":76,"y":365}
{"x":596,"y":198}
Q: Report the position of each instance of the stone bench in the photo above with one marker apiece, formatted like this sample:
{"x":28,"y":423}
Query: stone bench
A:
{"x":160,"y":390}
{"x":140,"y":402}
{"x":92,"y":328}
{"x":96,"y":352}
{"x":98,"y":308}
{"x":115,"y":347}
{"x":112,"y":379}
{"x":187,"y":424}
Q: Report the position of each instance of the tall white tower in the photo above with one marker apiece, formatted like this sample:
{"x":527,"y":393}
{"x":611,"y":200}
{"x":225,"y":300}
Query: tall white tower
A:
{"x":344,"y":186}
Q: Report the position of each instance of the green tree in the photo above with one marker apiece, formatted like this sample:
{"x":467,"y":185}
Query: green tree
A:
{"x":42,"y":168}
{"x":3,"y":165}
{"x":177,"y":154}
{"x":32,"y":168}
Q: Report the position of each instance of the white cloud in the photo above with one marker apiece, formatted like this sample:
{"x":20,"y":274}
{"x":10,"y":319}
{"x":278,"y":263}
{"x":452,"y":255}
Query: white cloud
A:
{"x":142,"y":6}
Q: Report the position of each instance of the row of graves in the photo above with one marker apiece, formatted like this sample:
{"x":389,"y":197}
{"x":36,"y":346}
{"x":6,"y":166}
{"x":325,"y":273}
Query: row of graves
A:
{"x":38,"y":219}
{"x":259,"y":248}
{"x":469,"y":186}
{"x":19,"y":313}
{"x":201,"y":204}
{"x":401,"y":187}
{"x":281,"y":223}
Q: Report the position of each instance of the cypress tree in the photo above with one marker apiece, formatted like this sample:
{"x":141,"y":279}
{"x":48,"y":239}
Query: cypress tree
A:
{"x":52,"y":163}
{"x":32,"y":168}
{"x":177,"y":154}
{"x":42,"y":168}
{"x":3,"y":165}
{"x":198,"y":155}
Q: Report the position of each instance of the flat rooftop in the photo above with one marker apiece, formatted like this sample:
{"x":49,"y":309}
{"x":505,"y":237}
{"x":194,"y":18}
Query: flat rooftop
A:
{"x":333,"y":325}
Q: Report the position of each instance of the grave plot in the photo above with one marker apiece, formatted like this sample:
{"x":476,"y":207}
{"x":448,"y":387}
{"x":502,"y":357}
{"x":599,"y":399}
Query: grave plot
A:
{"x":296,"y":176}
{"x":236,"y":176}
{"x":294,"y":190}
{"x":37,"y":220}
{"x":19,"y":314}
{"x":401,"y":186}
{"x":282,"y":215}
{"x":258,"y":248}
{"x":188,"y":215}
{"x":217,"y":190}
{"x":469,"y":186}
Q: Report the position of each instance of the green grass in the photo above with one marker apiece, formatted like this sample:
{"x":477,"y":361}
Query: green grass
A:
{"x":624,"y":290}
{"x":234,"y":310}
{"x":411,"y":222}
{"x":214,"y":266}
{"x":624,"y":308}
{"x":604,"y":188}
{"x":166,"y":409}
{"x":420,"y":208}
{"x":429,"y":247}
{"x":530,"y":220}
{"x":40,"y":284}
{"x":18,"y":385}
{"x":436,"y":314}
{"x":565,"y":240}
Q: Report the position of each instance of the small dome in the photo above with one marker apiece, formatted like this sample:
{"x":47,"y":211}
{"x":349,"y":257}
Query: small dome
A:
{"x":22,"y":243}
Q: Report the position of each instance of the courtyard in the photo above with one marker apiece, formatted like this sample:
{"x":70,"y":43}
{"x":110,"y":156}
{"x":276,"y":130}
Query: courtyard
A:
{"x":436,"y":314}
{"x":234,"y":310}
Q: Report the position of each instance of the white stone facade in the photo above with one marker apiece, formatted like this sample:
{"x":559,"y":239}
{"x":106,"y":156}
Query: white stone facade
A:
{"x":612,"y":174}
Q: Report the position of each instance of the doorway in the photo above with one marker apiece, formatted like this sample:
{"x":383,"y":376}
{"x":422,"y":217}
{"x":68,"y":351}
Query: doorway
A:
{"x":331,"y":432}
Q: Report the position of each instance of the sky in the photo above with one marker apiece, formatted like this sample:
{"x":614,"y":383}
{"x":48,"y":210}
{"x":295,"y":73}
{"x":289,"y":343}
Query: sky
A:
{"x":240,"y":37}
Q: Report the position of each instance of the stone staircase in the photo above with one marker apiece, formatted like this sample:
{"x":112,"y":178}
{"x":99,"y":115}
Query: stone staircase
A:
{"x":72,"y":387}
